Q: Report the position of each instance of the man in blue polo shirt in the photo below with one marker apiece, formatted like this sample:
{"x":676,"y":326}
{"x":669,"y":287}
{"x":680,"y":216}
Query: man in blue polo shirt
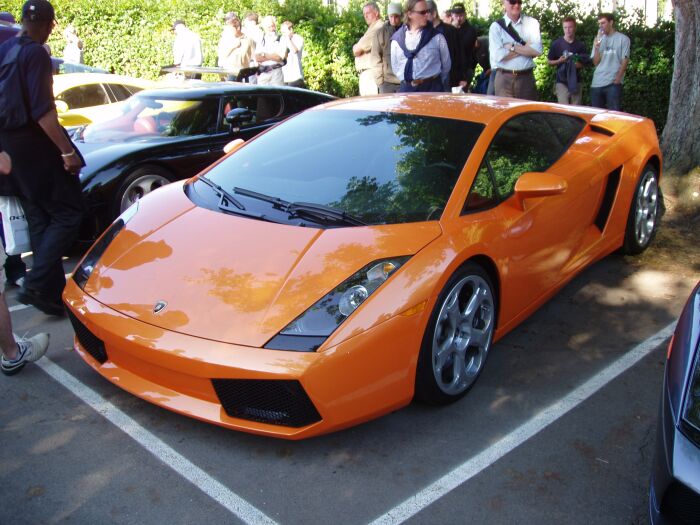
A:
{"x":45,"y":164}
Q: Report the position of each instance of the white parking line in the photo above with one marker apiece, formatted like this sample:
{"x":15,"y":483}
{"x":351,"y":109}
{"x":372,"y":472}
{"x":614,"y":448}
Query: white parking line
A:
{"x":188,"y":470}
{"x":549,"y":415}
{"x":19,"y":307}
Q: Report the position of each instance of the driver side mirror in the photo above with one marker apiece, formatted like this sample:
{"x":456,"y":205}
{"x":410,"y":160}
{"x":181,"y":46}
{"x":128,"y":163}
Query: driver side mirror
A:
{"x":239,"y":117}
{"x":533,"y":184}
{"x":61,"y":106}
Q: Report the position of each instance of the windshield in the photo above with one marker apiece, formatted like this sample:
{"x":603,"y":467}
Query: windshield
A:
{"x":379,"y":168}
{"x":151,"y":116}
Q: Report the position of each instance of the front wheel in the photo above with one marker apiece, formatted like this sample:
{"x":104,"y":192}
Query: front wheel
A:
{"x":140,"y":183}
{"x":643,"y":217}
{"x":458,"y":337}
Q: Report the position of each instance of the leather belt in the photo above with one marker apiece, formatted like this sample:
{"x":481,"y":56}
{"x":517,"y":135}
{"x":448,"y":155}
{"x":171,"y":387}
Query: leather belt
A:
{"x":267,"y":69}
{"x":516,"y":72}
{"x":419,"y":81}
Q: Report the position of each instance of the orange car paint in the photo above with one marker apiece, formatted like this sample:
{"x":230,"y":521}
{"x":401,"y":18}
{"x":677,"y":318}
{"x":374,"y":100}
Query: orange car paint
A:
{"x":223,"y":310}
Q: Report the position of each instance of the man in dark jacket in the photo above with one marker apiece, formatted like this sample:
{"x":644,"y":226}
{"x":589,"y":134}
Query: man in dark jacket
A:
{"x":452,"y":38}
{"x":45,"y":164}
{"x":466,"y":43}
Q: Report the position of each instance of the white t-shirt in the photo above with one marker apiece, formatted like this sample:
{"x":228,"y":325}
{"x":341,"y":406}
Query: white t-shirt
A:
{"x":292,"y":70}
{"x":613,"y":50}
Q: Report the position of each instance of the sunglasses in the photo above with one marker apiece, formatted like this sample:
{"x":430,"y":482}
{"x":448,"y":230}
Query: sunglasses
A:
{"x":513,"y":2}
{"x":423,"y":12}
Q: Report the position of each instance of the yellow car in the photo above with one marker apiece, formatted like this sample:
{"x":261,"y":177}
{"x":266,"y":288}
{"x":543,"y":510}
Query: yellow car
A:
{"x":83,"y":98}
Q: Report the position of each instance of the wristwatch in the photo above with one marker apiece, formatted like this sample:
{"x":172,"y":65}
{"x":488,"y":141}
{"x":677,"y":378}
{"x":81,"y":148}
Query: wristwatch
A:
{"x":512,"y":47}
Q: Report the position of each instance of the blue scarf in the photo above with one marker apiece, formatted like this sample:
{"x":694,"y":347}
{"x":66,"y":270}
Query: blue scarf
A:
{"x":399,"y":37}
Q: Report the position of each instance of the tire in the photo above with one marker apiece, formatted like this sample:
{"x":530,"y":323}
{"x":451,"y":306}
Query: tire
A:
{"x":643,"y":218}
{"x":139,"y":183}
{"x":458,"y":337}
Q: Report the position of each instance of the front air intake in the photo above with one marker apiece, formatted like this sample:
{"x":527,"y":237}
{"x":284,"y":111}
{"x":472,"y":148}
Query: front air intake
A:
{"x":89,"y":341}
{"x":277,"y":402}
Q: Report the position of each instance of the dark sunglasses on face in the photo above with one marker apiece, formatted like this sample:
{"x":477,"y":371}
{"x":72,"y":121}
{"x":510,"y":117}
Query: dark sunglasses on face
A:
{"x":513,"y":2}
{"x":423,"y":12}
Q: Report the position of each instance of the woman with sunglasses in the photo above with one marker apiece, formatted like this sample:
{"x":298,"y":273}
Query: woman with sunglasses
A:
{"x":419,"y":54}
{"x":514,"y":42}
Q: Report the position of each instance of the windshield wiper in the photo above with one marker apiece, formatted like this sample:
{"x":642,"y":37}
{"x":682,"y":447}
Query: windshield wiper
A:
{"x":276,"y":202}
{"x":309,"y":209}
{"x":319,"y":211}
{"x":226,"y":197}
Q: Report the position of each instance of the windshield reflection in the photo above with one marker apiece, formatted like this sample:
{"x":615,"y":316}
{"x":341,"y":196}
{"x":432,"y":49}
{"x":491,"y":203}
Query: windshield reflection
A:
{"x":382,"y":168}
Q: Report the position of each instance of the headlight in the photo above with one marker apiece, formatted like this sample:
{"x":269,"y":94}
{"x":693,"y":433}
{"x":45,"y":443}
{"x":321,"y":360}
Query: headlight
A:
{"x":308,"y":331}
{"x":691,"y":410}
{"x":87,"y":265}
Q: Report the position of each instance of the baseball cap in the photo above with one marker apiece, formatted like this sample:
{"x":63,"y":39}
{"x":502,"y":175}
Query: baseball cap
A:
{"x":38,"y":11}
{"x":179,"y":22}
{"x":458,"y":9}
{"x":394,"y":9}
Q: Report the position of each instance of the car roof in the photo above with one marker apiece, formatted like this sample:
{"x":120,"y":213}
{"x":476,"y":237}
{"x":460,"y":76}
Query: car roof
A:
{"x":474,"y":108}
{"x":198,"y":89}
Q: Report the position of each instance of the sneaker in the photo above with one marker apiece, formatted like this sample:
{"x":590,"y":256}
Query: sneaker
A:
{"x":19,"y":282}
{"x":37,"y":299}
{"x":28,"y":351}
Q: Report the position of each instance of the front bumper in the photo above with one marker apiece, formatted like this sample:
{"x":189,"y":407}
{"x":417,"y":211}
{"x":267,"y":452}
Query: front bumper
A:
{"x":291,"y":395}
{"x":674,"y":488}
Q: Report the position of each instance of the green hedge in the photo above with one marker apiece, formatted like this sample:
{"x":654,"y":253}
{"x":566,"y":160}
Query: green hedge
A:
{"x":133,"y":37}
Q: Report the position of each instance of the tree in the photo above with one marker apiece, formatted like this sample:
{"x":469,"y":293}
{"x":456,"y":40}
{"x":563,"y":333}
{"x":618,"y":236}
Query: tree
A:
{"x":681,"y":136}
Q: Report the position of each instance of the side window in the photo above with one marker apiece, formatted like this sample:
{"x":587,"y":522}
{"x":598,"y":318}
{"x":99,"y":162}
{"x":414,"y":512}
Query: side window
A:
{"x":263,"y":107}
{"x":525,"y":143}
{"x":84,"y":96}
{"x":565,"y":127}
{"x":122,"y":92}
{"x":482,"y":194}
{"x":197,"y":118}
{"x":296,"y":102}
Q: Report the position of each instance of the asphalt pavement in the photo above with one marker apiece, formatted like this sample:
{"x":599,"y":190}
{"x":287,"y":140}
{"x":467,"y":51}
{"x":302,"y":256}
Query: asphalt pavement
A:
{"x":547,"y":435}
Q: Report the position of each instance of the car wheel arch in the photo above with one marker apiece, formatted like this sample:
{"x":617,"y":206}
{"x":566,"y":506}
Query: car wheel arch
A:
{"x":130,"y":174}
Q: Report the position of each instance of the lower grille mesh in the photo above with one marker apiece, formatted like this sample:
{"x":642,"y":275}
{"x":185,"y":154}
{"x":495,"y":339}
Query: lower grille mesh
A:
{"x":681,"y":505}
{"x":91,"y":343}
{"x":278,"y":402}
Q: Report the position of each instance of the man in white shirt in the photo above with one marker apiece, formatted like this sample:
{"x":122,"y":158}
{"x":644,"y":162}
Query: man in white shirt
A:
{"x":514,"y":42}
{"x":187,"y":48}
{"x":271,"y":54}
{"x":292,"y":71}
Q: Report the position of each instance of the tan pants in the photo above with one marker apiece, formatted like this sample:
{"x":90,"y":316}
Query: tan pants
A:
{"x":566,"y":97}
{"x":519,"y":85}
{"x":368,"y":83}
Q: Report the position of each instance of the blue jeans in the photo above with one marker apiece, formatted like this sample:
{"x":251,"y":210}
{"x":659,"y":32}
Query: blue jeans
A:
{"x":609,"y":97}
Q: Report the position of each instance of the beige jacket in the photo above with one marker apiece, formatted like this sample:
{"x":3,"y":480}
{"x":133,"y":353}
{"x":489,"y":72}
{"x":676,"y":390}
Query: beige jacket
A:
{"x":381,"y":49}
{"x":367,"y":60}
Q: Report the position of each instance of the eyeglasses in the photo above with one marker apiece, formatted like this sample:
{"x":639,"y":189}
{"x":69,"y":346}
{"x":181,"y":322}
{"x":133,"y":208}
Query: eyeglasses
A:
{"x":423,"y":12}
{"x":513,"y":2}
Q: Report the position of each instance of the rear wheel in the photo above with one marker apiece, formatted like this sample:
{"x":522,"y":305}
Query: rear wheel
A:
{"x":644,"y":212}
{"x":458,"y":337}
{"x":140,"y":183}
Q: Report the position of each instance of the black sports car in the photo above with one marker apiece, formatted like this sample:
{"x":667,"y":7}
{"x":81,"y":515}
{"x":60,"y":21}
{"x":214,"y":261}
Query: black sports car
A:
{"x":165,"y":135}
{"x":674,"y":493}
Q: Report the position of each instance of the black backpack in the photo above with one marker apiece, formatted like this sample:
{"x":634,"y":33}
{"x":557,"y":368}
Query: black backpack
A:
{"x":13,"y":109}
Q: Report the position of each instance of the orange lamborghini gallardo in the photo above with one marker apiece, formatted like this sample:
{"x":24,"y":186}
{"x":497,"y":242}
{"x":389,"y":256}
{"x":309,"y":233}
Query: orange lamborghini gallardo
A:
{"x":359,"y":255}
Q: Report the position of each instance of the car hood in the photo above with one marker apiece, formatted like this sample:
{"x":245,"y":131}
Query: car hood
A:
{"x":229,"y":278}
